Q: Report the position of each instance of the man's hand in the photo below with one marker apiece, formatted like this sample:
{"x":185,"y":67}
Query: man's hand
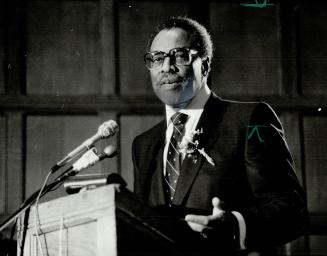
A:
{"x":220,"y":224}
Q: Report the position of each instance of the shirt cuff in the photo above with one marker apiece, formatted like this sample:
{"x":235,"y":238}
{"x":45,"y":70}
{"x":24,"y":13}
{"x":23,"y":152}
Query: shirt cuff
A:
{"x":241,"y":228}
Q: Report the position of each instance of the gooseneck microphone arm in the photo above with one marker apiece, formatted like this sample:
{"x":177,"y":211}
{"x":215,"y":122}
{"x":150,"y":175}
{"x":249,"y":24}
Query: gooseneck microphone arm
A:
{"x":106,"y":130}
{"x":84,"y":162}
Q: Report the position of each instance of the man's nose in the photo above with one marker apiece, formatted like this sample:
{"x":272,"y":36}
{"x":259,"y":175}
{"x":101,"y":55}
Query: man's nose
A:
{"x":167,"y":65}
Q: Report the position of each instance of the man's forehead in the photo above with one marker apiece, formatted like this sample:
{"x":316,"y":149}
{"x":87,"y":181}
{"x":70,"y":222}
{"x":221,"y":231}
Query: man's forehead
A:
{"x":168,"y":39}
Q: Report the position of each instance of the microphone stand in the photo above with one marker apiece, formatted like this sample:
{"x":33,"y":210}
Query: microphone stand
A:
{"x":31,"y":200}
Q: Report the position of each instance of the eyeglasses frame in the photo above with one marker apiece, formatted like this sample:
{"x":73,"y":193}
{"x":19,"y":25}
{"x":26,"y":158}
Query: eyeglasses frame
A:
{"x":191,"y":53}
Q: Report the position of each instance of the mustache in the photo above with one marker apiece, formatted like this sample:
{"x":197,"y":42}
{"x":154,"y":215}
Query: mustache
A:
{"x":170,"y":78}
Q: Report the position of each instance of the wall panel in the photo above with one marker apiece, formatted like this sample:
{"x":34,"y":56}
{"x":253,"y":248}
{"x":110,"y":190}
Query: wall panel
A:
{"x":136,"y":22}
{"x":15,"y":165}
{"x":247,"y":55}
{"x":50,"y":138}
{"x":3,"y":154}
{"x":131,"y":126}
{"x":107,"y":34}
{"x":63,"y":48}
{"x":315,"y":150}
{"x":313,"y":18}
{"x":2,"y":50}
{"x":318,"y":245}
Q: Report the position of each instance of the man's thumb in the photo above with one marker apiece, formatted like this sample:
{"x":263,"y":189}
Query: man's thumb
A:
{"x":216,"y":206}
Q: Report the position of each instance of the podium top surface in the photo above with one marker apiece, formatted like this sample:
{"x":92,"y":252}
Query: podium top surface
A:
{"x":93,"y":203}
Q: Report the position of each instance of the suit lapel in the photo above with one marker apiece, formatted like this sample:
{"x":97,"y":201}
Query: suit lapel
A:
{"x":157,"y":193}
{"x":155,"y":172}
{"x":209,"y":121}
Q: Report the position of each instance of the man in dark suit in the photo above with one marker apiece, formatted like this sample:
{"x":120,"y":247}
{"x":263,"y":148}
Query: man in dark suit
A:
{"x":229,"y":159}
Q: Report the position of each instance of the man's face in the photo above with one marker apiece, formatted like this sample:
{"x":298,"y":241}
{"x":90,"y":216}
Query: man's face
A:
{"x":174,"y":85}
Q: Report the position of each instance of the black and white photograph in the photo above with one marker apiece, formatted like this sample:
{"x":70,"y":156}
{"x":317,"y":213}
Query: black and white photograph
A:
{"x":158,"y":128}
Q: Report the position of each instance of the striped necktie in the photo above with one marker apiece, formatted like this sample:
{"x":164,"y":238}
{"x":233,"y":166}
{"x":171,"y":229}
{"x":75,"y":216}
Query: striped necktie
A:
{"x":173,"y":162}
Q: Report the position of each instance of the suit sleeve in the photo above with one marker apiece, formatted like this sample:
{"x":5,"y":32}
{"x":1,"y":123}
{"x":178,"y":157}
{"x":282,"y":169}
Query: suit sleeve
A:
{"x":278,"y":213}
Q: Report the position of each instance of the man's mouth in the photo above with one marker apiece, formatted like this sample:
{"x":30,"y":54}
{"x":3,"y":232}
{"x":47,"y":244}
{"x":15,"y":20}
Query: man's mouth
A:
{"x":170,"y":85}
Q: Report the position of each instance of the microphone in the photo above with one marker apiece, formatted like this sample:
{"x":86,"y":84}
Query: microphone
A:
{"x":91,"y":157}
{"x":107,"y":129}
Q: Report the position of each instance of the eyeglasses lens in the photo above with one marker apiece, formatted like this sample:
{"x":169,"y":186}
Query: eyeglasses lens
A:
{"x":155,"y":60}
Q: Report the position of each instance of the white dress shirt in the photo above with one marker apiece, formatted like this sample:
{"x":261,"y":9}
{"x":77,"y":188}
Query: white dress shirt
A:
{"x":194,"y":111}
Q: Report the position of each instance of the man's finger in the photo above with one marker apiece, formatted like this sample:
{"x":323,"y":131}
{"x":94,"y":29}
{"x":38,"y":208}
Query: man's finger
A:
{"x":199,"y":219}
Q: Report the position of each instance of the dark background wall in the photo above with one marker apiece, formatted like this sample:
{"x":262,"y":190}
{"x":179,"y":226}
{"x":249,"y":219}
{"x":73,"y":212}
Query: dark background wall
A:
{"x":67,"y":66}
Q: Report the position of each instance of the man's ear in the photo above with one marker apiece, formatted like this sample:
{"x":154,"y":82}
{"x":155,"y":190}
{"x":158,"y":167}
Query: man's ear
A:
{"x":205,"y":67}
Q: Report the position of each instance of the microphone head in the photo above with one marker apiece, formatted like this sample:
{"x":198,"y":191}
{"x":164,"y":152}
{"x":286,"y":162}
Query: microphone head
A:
{"x":108,"y":129}
{"x":110,"y":151}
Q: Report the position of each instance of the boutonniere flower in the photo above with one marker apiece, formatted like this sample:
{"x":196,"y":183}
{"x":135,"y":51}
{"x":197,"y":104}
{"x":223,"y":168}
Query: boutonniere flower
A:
{"x":190,"y":147}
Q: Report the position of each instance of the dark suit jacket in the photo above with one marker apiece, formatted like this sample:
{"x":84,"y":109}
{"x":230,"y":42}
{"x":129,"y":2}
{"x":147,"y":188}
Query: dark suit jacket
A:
{"x":253,"y":177}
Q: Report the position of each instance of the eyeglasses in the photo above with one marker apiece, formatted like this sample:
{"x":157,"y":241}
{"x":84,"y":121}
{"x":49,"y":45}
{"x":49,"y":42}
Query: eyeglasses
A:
{"x":178,"y":56}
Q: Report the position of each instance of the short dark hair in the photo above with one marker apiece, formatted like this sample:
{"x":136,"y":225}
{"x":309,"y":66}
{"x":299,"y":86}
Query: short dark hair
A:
{"x":200,"y":37}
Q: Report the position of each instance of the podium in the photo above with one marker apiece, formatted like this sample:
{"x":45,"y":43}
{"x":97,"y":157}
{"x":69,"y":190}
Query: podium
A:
{"x":108,"y":220}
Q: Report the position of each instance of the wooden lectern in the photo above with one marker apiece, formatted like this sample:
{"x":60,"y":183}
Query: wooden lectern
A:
{"x":105,"y":221}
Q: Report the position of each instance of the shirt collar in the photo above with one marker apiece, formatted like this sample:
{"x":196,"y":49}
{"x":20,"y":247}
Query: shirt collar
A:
{"x":195,"y":106}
